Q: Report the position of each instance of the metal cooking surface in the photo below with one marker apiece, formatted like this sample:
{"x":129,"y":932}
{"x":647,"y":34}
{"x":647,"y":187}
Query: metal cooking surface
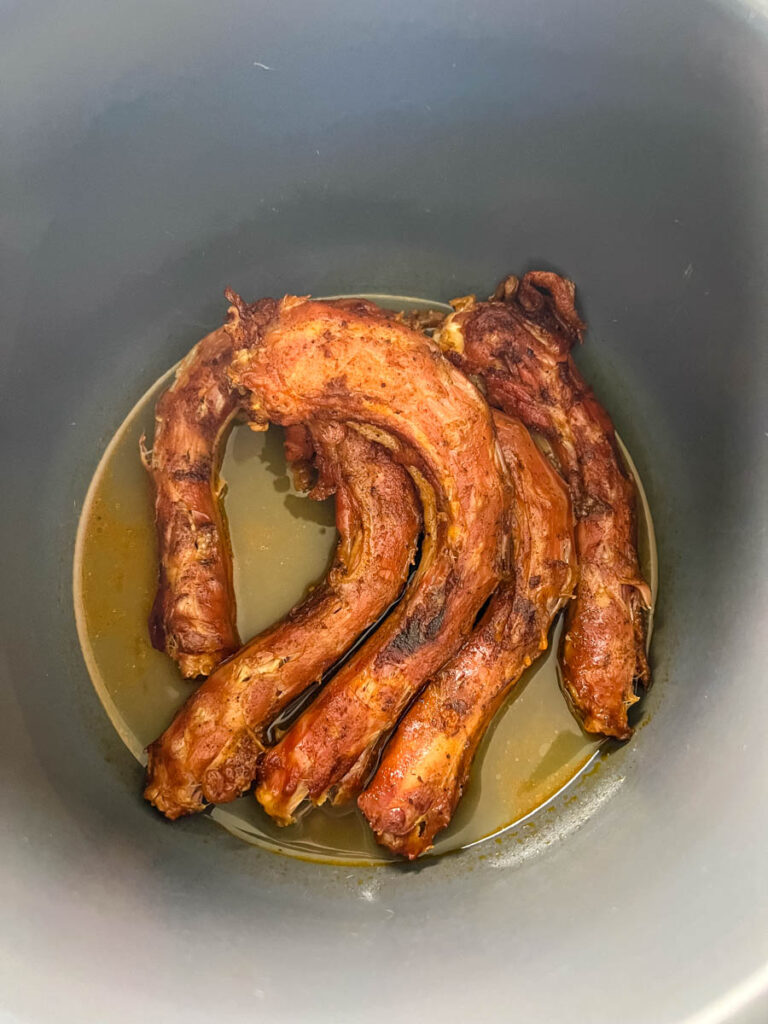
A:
{"x":153,"y":155}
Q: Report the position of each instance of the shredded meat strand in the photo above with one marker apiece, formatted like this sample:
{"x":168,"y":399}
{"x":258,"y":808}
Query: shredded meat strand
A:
{"x":425,"y":766}
{"x":314,"y":360}
{"x":210,"y":751}
{"x":519,"y":344}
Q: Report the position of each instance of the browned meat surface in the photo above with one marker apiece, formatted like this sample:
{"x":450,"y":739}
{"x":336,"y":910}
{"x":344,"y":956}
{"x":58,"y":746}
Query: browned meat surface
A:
{"x":318,"y":361}
{"x":422,"y":775}
{"x":425,"y":320}
{"x":194,"y":617}
{"x":211,"y":749}
{"x":519,"y":345}
{"x":300,"y":454}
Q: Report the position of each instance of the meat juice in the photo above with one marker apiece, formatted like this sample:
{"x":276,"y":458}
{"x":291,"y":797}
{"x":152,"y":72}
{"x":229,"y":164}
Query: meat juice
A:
{"x":282,"y":543}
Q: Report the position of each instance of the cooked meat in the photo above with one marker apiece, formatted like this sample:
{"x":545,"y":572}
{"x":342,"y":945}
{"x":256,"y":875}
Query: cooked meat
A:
{"x":300,"y":455}
{"x":315,"y":361}
{"x":519,"y":345}
{"x":424,"y":320}
{"x":194,"y":616}
{"x":425,"y":766}
{"x":210,"y":750}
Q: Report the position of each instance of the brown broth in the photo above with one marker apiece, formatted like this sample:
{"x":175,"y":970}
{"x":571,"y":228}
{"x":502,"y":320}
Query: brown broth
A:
{"x":282,"y":543}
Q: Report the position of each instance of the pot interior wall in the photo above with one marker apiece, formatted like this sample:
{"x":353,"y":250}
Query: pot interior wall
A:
{"x":153,"y":155}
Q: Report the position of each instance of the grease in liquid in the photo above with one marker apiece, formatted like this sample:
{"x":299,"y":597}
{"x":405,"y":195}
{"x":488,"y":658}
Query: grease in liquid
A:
{"x":282,"y":543}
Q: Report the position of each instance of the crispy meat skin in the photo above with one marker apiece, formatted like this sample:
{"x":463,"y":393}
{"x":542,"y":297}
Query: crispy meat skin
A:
{"x":210,"y":751}
{"x":193,"y":617}
{"x":315,"y":360}
{"x":194,"y":614}
{"x":519,"y":344}
{"x":422,"y":775}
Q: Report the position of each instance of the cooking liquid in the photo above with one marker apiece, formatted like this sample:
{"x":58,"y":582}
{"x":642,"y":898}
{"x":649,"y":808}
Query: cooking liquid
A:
{"x":282,"y":543}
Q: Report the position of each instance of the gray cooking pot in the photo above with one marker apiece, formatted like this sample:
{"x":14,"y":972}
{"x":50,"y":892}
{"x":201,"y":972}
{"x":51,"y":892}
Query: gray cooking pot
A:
{"x":154,"y":153}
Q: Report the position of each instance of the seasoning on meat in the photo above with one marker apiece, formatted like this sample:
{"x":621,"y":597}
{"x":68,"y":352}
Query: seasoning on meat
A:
{"x":193,"y":618}
{"x":318,"y":361}
{"x":519,"y":345}
{"x":425,"y":766}
{"x":210,"y":751}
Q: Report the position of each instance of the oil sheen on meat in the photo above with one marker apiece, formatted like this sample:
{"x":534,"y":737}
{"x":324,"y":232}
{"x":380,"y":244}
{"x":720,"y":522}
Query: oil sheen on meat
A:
{"x":310,"y":361}
{"x":519,"y":344}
